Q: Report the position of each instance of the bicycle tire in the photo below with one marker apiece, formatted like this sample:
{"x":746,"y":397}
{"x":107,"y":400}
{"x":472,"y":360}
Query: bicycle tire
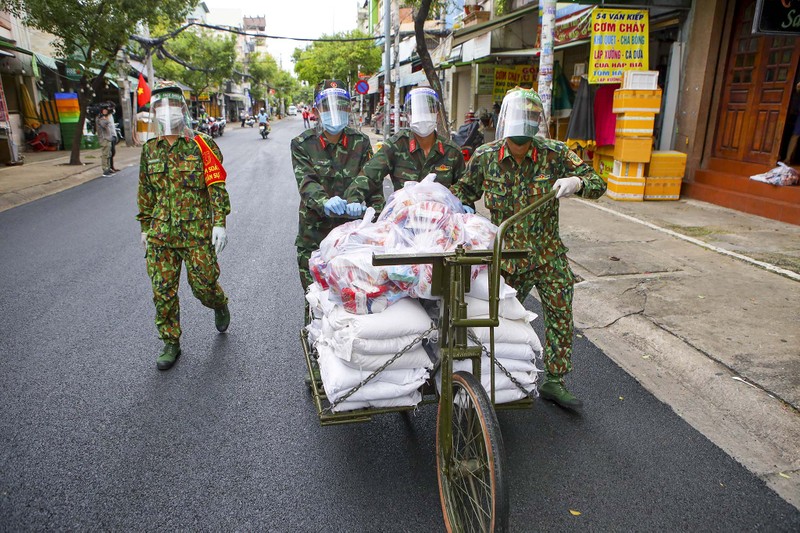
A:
{"x":475,"y":467}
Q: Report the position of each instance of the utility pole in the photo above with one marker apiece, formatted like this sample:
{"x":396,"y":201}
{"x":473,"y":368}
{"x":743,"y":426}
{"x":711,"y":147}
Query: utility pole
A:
{"x":125,"y":96}
{"x":546,"y":59}
{"x":151,"y":76}
{"x":397,"y":72}
{"x":387,"y":83}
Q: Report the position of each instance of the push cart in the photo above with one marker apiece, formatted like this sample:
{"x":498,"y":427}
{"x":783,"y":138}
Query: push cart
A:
{"x":469,"y":445}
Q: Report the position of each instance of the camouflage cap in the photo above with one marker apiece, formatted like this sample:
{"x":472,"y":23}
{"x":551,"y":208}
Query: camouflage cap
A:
{"x":329,"y":84}
{"x":166,"y":86}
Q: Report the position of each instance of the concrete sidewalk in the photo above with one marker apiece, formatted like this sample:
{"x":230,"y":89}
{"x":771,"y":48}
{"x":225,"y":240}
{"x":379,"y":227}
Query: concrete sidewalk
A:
{"x":699,"y":303}
{"x":46,"y":173}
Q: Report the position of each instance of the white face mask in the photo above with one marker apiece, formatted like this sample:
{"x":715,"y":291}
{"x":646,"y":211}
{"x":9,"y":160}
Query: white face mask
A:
{"x":423,"y":128}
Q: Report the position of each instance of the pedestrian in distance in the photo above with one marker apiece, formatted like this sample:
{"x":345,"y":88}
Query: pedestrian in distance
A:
{"x":242,"y":117}
{"x":183,"y":205}
{"x":306,"y":120}
{"x":325,"y":160}
{"x":511,"y":173}
{"x":105,"y":135}
{"x":411,"y":154}
{"x":115,"y":138}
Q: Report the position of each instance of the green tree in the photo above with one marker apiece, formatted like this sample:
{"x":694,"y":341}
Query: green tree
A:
{"x":89,"y":33}
{"x":340,"y":60}
{"x":263,"y":71}
{"x":206,"y":60}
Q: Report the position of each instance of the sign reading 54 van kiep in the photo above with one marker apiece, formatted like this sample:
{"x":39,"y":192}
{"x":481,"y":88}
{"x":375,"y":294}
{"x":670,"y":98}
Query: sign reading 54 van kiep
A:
{"x":619,"y":43}
{"x":777,"y":17}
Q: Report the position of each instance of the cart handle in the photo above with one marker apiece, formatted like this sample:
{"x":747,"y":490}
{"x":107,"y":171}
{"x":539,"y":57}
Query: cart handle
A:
{"x":494,"y":282}
{"x":470,"y":257}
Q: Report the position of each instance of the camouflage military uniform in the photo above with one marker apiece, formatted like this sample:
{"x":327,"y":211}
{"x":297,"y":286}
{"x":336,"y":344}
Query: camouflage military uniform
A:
{"x":323,"y":170}
{"x":507,"y":187}
{"x":403,"y":159}
{"x":177,"y":211}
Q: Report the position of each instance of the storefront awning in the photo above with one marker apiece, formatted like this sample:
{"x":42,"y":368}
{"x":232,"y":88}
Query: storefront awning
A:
{"x":47,"y":61}
{"x":470,"y":32}
{"x":525,"y":52}
{"x":236,"y":97}
{"x":3,"y":53}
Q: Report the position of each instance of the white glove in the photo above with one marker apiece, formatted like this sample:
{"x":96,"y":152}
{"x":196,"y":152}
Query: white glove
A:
{"x":143,"y":240}
{"x":219,"y":238}
{"x":567,"y":186}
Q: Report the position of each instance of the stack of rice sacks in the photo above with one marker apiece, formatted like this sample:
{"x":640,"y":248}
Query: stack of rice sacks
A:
{"x":350,"y":347}
{"x":516,"y":345}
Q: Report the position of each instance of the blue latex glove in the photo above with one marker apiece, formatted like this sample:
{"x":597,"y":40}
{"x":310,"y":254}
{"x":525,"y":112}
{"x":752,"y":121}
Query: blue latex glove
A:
{"x":355,"y":210}
{"x":468,"y":210}
{"x":334,"y":205}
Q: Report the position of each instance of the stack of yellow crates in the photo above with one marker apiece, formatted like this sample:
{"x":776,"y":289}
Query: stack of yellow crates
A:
{"x":636,"y":114}
{"x":664,"y":174}
{"x":603,"y":161}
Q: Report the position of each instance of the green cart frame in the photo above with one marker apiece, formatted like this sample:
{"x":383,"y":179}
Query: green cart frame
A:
{"x":470,"y":458}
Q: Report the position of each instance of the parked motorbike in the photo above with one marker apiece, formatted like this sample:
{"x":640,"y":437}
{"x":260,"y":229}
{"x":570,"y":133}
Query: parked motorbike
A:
{"x":201,"y":126}
{"x":264,"y":130}
{"x":221,"y":122}
{"x":250,"y":122}
{"x":468,"y":138}
{"x":213,"y":126}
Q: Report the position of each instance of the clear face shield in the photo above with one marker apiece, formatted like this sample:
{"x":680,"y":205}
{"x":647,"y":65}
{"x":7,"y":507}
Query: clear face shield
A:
{"x":169,"y":115}
{"x":421,"y":107}
{"x":334,"y":109}
{"x":519,"y":116}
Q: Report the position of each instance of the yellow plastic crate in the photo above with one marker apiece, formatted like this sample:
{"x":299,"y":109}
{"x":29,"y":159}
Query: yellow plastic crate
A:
{"x":662,"y":188}
{"x":666,"y":164}
{"x":625,"y":169}
{"x":625,"y":189}
{"x":635,"y":124}
{"x":637,"y":101}
{"x":603,"y":165}
{"x":633,"y":149}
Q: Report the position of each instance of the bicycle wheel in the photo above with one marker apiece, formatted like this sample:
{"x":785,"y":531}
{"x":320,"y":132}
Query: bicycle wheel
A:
{"x":470,"y":470}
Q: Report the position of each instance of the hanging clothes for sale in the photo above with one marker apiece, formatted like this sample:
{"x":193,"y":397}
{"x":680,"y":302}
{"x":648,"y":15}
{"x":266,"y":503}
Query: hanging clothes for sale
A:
{"x":605,"y":121}
{"x":581,"y":129}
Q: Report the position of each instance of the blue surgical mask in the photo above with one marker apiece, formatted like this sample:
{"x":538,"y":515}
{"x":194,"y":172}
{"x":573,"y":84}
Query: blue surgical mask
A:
{"x":333,"y":121}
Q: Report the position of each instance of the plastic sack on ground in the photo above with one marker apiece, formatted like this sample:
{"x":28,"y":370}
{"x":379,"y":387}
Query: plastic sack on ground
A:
{"x":780,"y":175}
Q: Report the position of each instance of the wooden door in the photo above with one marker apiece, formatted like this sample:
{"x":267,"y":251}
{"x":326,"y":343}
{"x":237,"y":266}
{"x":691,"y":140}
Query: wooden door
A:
{"x":757,"y":91}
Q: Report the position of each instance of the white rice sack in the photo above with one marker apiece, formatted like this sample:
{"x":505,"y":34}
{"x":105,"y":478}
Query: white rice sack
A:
{"x":416,"y":357}
{"x":314,"y":330}
{"x":479,"y":287}
{"x":508,"y":308}
{"x":404,"y":317}
{"x":404,"y":401}
{"x":319,"y":300}
{"x":521,"y":352}
{"x":511,"y":332}
{"x":382,"y":346}
{"x":338,"y":379}
{"x":501,"y":381}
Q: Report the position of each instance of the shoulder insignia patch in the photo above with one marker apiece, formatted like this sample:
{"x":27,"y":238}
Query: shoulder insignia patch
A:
{"x":574,"y":158}
{"x":442,"y":168}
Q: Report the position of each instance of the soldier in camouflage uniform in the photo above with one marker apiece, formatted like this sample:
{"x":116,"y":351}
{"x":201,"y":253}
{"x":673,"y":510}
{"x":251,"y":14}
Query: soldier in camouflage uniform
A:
{"x":182,"y":208}
{"x":410,"y":155}
{"x":324,"y":165}
{"x":511,"y":173}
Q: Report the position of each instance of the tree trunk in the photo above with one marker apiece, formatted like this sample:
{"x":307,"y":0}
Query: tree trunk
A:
{"x":75,"y":153}
{"x":427,"y":63}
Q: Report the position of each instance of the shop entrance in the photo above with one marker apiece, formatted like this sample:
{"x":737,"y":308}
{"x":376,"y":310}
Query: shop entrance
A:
{"x":757,"y":92}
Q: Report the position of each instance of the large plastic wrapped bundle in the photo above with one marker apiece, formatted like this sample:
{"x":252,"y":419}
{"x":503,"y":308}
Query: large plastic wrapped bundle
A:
{"x":415,"y":193}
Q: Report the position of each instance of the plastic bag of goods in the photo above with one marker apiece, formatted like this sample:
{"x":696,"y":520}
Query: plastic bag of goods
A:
{"x":414,"y":193}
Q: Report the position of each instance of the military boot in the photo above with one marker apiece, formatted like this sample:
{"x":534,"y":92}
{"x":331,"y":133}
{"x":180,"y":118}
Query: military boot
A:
{"x":222,"y":318}
{"x":553,"y":389}
{"x":168,"y":356}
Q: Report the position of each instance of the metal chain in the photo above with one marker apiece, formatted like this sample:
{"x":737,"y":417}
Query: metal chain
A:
{"x":533,"y":393}
{"x":383,"y":367}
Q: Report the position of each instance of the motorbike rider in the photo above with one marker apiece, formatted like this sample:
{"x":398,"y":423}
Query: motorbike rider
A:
{"x":409,"y":155}
{"x":262,"y":117}
{"x":325,"y":159}
{"x":511,"y":173}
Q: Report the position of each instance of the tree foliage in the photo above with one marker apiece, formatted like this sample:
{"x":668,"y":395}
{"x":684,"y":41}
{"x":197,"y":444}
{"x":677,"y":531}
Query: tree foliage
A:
{"x":212,"y":55}
{"x":340,"y":60}
{"x":89,"y":33}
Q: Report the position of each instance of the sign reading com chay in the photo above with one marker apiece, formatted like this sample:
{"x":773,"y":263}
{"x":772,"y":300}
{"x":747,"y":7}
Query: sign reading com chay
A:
{"x":619,"y":43}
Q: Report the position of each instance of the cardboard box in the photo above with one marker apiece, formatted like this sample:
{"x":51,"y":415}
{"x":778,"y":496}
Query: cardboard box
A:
{"x":635,"y":124}
{"x":662,"y":188}
{"x":605,"y":150}
{"x":637,"y":101}
{"x":633,"y":149}
{"x":666,"y":164}
{"x":625,"y":189}
{"x":603,"y":164}
{"x":624,"y":169}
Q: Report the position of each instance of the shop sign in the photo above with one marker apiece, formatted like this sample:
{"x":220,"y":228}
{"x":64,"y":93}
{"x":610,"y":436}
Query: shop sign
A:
{"x":619,"y":42}
{"x":485,"y":79}
{"x":506,"y":78}
{"x":777,"y":17}
{"x":573,"y":27}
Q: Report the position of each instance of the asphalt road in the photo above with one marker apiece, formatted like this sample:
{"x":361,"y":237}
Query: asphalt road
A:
{"x":93,"y":437}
